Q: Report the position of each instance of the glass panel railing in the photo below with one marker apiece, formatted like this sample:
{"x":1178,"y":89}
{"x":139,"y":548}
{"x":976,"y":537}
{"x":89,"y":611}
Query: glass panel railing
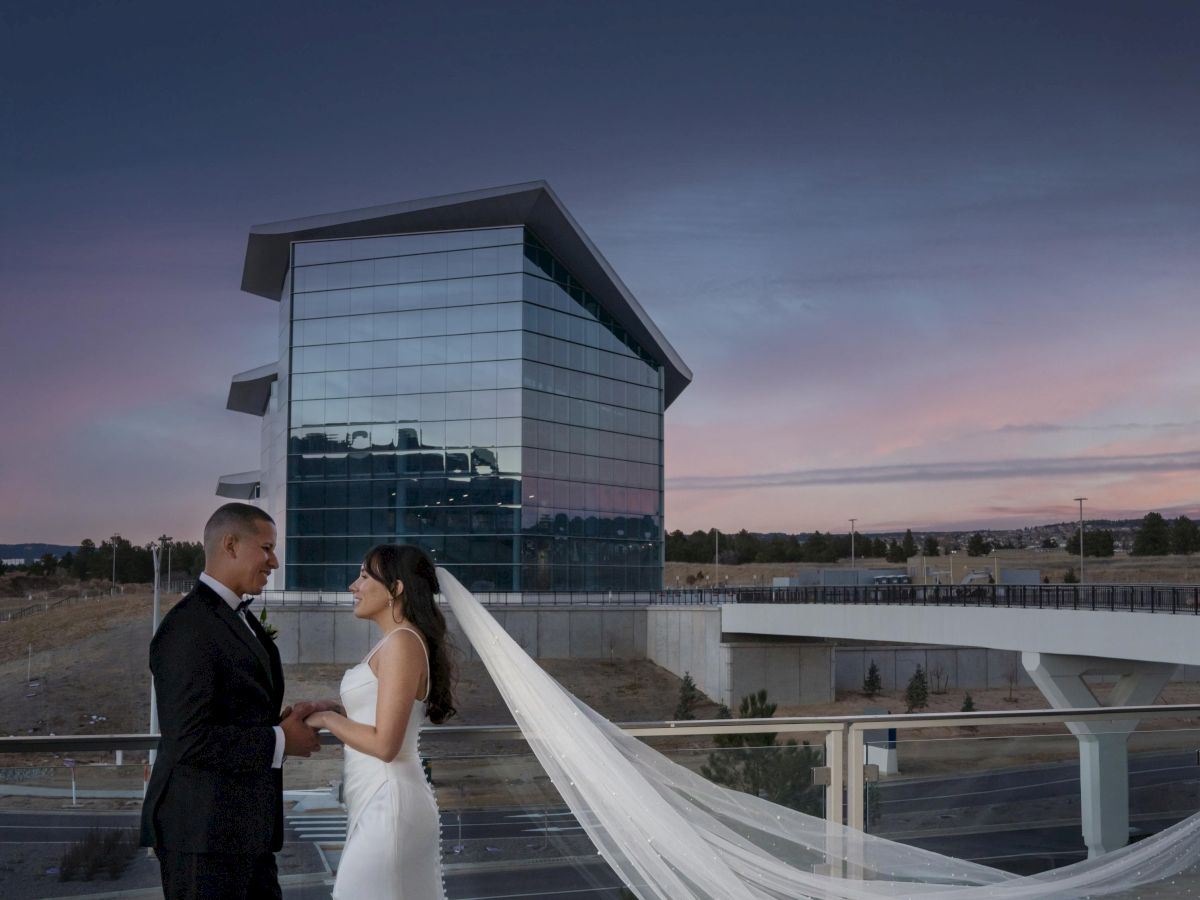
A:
{"x":1011,"y":796}
{"x":781,"y":768}
{"x":1006,"y":794}
{"x":1009,"y":801}
{"x":69,"y":824}
{"x":506,"y":831}
{"x":82,"y":780}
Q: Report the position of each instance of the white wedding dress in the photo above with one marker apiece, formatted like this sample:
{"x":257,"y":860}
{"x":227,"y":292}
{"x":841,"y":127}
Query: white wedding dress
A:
{"x":392,"y":849}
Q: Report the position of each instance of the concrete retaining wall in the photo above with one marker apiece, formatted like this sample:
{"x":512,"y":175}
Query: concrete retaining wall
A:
{"x":969,"y":668}
{"x":687,"y":640}
{"x":334,"y":635}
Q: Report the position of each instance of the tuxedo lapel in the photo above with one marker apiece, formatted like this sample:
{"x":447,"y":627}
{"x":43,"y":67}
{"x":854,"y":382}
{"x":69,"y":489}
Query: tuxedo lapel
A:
{"x":274,"y":666}
{"x":238,"y":628}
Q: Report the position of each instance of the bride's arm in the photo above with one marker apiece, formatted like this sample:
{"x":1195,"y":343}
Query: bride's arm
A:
{"x":401,"y":664}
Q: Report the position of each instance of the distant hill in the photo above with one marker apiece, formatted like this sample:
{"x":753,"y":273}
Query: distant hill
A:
{"x":33,"y":551}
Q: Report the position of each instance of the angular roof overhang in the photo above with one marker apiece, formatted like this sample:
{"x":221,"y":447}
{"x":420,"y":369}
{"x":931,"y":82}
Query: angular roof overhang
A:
{"x":268,"y":250}
{"x":250,"y":391}
{"x":240,"y":486}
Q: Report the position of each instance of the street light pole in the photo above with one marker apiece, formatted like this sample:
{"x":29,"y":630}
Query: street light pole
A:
{"x":1080,"y":500}
{"x":154,"y":552}
{"x":164,"y":540}
{"x":114,"y":540}
{"x":852,"y":521}
{"x":717,"y":557}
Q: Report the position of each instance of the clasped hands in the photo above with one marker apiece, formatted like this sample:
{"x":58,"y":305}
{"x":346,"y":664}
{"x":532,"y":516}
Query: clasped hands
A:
{"x":300,"y":729}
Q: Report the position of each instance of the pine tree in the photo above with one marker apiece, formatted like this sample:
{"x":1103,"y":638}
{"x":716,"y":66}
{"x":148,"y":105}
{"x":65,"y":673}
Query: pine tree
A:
{"x":916,"y":695}
{"x":1185,"y":536}
{"x":757,"y":765}
{"x":968,"y":704}
{"x":872,"y":684}
{"x":689,"y":698}
{"x":1153,"y":537}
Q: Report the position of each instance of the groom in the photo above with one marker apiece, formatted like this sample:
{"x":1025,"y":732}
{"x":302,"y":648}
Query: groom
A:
{"x":214,"y":808}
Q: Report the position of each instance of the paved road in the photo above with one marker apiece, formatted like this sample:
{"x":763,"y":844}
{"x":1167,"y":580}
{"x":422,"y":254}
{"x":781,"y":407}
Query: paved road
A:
{"x":40,"y":827}
{"x":1032,"y":783}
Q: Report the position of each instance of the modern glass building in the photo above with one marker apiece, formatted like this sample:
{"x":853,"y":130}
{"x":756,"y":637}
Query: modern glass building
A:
{"x":466,"y":373}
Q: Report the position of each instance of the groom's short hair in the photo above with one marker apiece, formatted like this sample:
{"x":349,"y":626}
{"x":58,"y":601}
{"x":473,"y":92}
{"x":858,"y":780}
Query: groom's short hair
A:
{"x":237,"y":518}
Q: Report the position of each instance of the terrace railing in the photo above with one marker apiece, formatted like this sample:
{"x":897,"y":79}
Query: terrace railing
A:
{"x":988,"y":786}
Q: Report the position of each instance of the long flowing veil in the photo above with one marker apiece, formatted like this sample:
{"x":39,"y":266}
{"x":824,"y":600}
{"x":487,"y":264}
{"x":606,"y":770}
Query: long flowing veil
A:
{"x":673,"y":835}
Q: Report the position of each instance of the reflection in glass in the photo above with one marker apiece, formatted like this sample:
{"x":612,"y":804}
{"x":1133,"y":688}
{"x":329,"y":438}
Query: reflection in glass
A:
{"x":463,"y":391}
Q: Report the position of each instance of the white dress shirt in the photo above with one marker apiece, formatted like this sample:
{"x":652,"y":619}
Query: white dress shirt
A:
{"x":234,"y":602}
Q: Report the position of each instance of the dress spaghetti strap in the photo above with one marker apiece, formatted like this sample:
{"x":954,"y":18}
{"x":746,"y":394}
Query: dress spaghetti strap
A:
{"x":421,"y":640}
{"x":424,"y":649}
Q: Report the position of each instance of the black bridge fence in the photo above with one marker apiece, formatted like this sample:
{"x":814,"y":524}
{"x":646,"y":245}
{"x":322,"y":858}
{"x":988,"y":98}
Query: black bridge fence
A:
{"x":1180,"y":599}
{"x":1145,"y":598}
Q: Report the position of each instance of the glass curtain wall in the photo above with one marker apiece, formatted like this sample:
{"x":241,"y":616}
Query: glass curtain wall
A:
{"x":592,"y":408}
{"x":459,"y":390}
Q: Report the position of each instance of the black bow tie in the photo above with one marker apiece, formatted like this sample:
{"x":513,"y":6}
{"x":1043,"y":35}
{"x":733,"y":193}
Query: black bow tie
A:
{"x":244,"y":604}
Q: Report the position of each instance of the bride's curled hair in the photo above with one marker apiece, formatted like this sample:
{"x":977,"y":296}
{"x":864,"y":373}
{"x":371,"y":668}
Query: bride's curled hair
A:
{"x":414,"y":570}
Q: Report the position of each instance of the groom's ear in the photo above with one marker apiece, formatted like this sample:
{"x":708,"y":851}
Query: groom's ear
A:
{"x":229,"y":543}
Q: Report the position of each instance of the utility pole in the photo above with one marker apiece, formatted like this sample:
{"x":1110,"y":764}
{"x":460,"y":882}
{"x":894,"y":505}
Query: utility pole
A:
{"x":852,"y":521}
{"x":1080,"y":500}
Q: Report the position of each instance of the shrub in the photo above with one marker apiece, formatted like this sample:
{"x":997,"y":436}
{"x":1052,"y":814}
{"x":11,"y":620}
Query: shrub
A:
{"x":100,"y":849}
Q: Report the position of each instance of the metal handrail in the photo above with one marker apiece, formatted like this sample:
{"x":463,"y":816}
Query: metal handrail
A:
{"x":686,"y":728}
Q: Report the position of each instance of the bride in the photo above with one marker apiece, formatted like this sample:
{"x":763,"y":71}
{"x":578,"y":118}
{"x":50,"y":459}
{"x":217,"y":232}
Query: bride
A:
{"x":392,"y":845}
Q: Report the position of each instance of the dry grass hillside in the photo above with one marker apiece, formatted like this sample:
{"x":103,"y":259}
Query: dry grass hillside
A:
{"x":80,"y":668}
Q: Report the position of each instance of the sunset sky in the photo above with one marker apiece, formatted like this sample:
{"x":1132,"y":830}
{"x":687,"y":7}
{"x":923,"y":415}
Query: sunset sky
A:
{"x":932,"y":264}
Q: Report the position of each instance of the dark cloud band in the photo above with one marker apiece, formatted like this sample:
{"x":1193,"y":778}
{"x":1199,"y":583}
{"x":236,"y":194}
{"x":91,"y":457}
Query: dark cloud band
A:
{"x":948,"y":471}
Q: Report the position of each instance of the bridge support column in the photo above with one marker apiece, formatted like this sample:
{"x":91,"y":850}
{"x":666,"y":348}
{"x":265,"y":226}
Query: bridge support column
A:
{"x":1103,"y":745}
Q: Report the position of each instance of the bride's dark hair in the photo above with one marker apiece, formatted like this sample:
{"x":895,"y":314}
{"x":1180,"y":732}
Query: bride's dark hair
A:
{"x":412,"y":567}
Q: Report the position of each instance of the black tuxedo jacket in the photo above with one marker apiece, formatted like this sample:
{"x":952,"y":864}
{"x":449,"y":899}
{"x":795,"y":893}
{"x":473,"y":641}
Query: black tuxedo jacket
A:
{"x":219,"y":689}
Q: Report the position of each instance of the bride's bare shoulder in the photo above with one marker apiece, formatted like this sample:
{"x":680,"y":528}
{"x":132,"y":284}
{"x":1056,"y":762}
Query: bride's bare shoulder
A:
{"x":401,"y":645}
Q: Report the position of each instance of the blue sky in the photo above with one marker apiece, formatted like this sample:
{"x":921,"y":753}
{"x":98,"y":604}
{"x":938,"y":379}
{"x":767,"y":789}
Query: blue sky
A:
{"x":947,"y":252}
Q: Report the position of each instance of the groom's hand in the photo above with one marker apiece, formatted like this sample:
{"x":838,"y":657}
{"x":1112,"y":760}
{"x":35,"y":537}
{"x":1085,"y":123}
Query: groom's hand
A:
{"x":298,"y":738}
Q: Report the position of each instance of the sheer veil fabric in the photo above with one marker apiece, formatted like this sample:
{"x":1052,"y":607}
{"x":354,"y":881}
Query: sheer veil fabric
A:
{"x":673,"y":835}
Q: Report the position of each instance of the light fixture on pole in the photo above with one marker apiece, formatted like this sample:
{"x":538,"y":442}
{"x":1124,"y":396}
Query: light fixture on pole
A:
{"x":852,"y":521}
{"x":1080,"y":500}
